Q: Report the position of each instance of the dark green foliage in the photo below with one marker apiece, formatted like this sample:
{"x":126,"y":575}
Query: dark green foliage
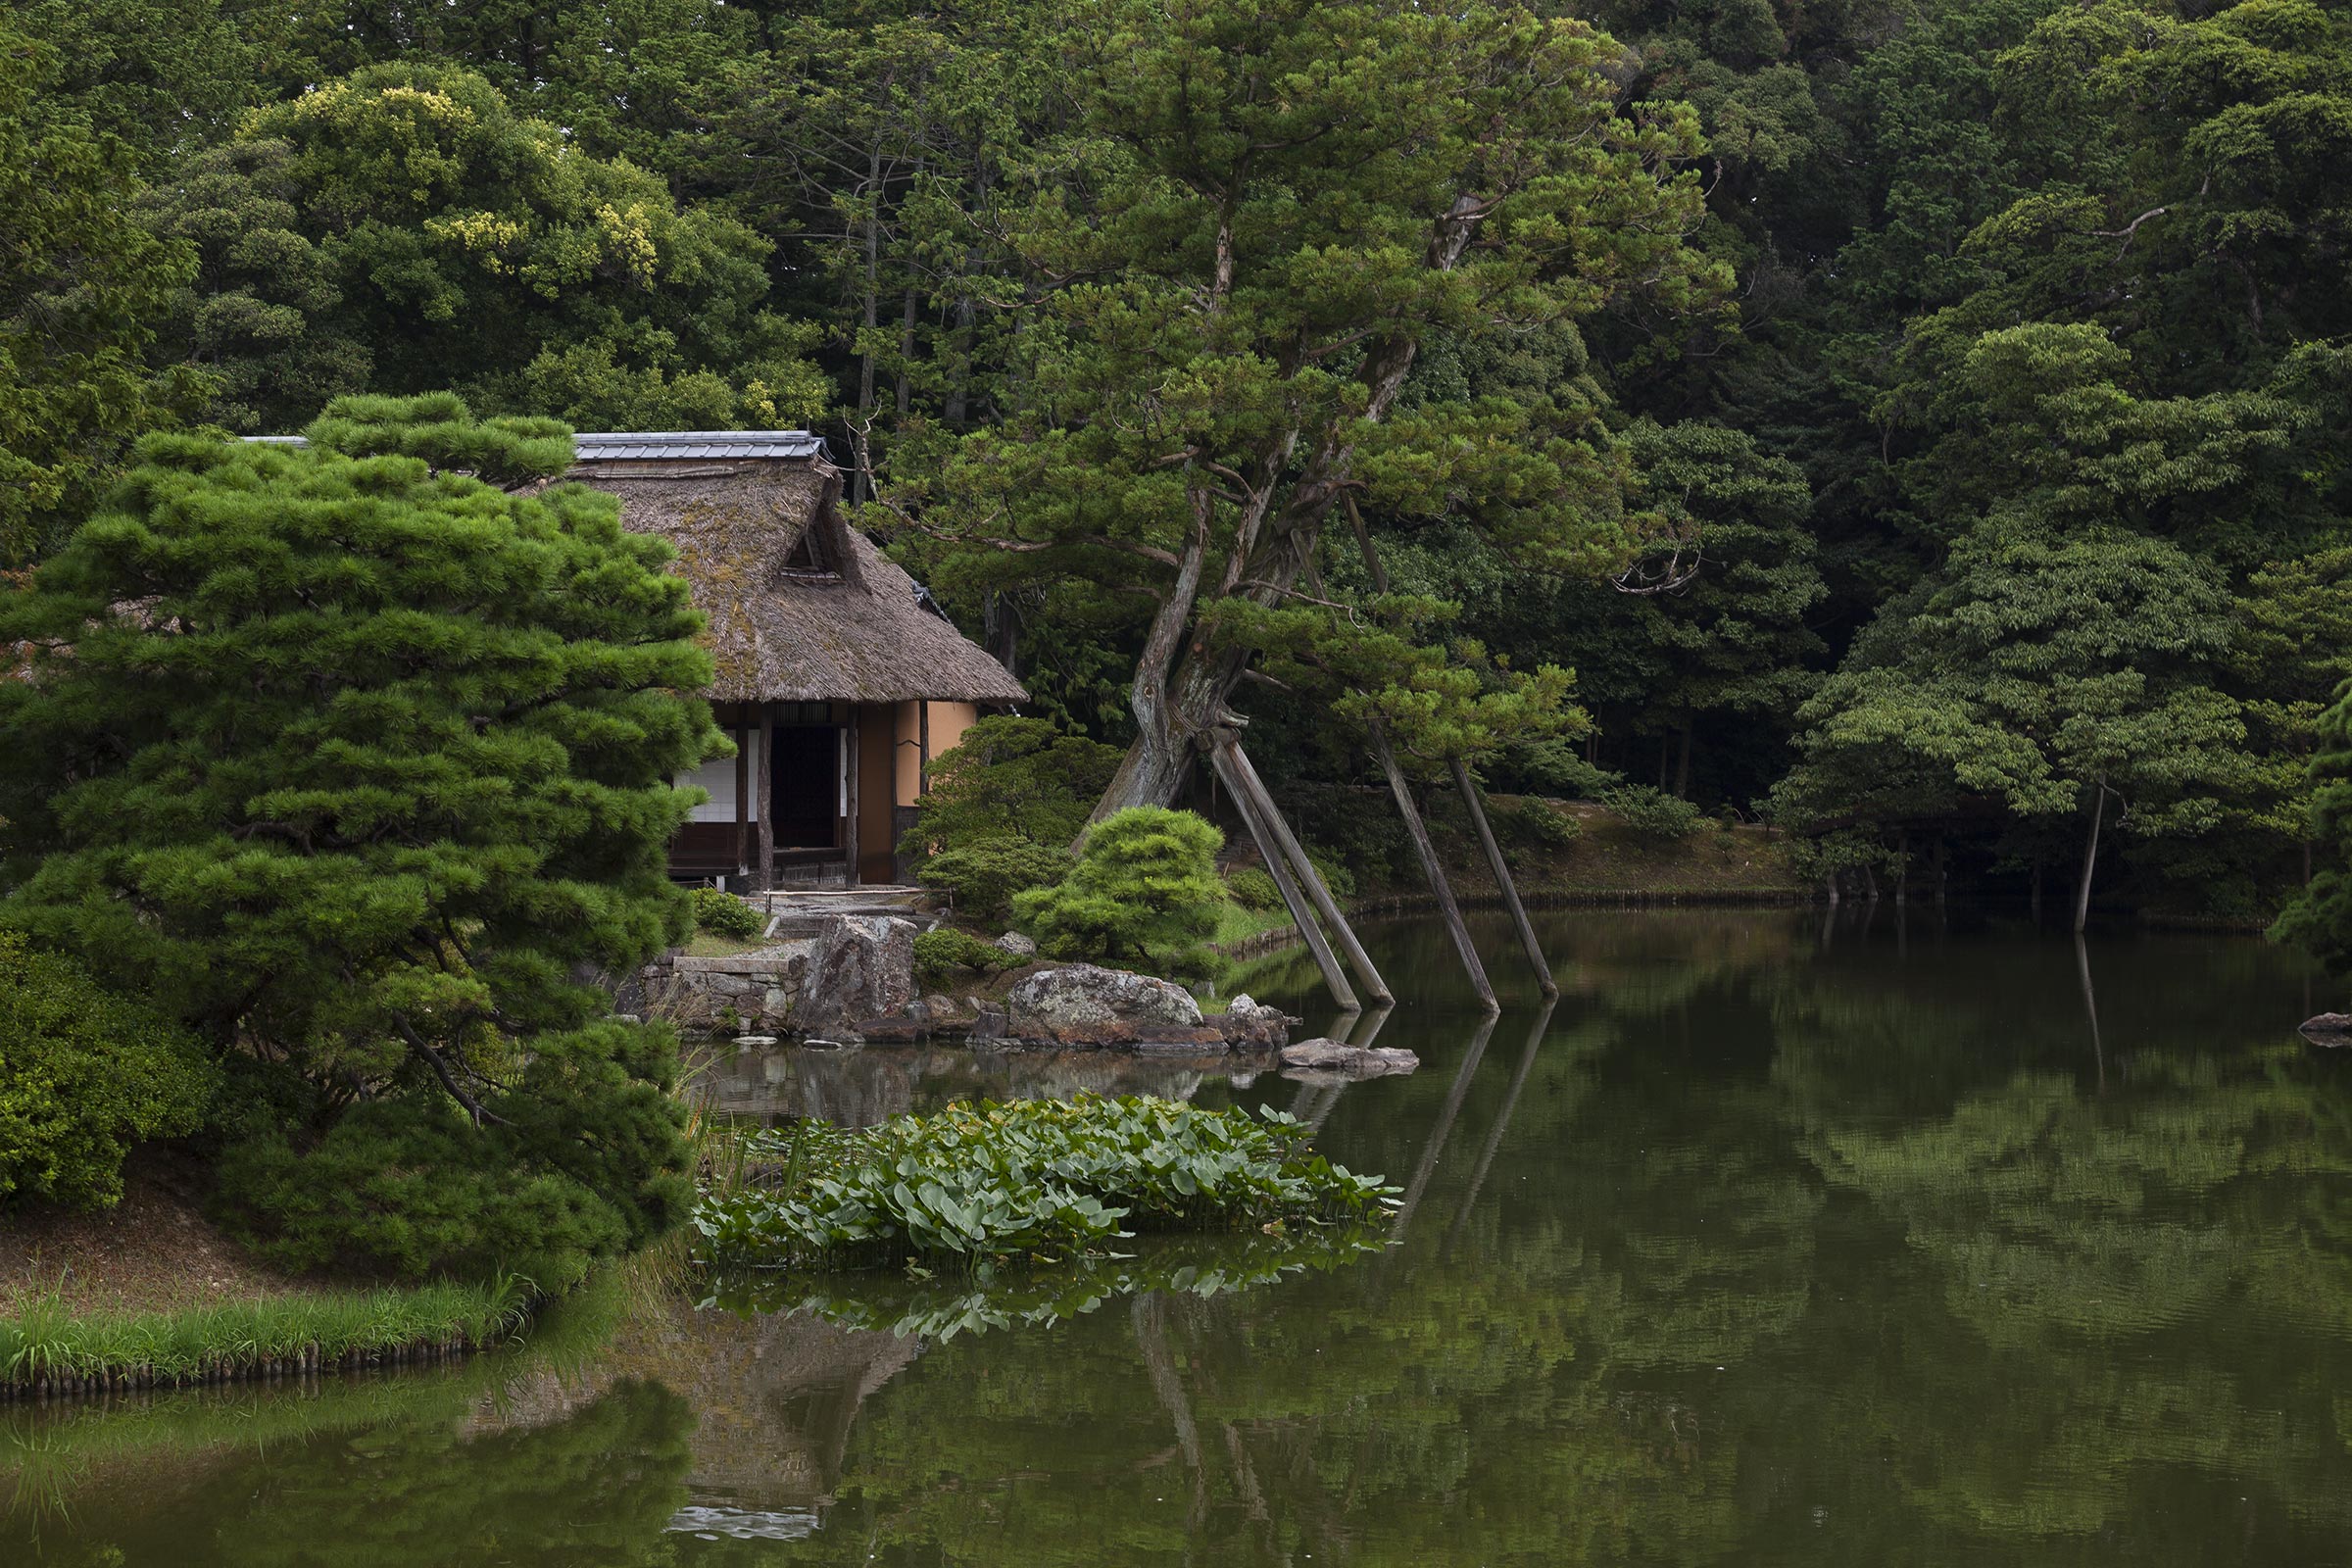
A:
{"x":83,"y":1075}
{"x":724,"y":914}
{"x":580,"y":1159}
{"x":1144,"y":887}
{"x":1036,"y":1178}
{"x":946,"y":951}
{"x":1534,"y":824}
{"x":2319,"y":919}
{"x":1253,"y":888}
{"x":81,"y":289}
{"x":378,"y":772}
{"x":1004,"y":804}
{"x":1651,"y":814}
{"x":1012,"y":777}
{"x":982,"y":876}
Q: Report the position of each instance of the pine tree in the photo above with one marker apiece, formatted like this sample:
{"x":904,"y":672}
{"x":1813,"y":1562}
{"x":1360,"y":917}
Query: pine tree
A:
{"x":356,"y":763}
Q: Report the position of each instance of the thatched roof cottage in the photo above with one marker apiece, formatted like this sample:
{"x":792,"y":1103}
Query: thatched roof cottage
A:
{"x":838,"y":678}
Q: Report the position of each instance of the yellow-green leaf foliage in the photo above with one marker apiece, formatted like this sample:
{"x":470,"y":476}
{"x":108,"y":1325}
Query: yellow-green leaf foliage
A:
{"x":83,"y":1075}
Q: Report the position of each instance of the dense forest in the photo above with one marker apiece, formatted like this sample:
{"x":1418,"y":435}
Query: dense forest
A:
{"x":1921,"y":424}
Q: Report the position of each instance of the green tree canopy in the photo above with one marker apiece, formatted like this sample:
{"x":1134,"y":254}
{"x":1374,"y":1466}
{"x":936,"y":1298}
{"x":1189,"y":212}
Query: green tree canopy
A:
{"x":361,"y":765}
{"x":81,"y":287}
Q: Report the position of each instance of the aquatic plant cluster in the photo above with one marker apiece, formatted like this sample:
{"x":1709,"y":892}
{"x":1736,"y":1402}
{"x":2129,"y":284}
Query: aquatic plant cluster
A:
{"x":1030,"y":1179}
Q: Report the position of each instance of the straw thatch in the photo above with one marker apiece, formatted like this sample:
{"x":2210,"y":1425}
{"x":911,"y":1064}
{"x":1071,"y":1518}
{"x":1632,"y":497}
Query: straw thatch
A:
{"x":854,"y":632}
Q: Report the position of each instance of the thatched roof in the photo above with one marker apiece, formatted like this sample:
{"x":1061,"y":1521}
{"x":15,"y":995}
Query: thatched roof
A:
{"x":833,"y":622}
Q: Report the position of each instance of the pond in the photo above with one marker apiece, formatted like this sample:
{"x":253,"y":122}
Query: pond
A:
{"x":1774,"y":1240}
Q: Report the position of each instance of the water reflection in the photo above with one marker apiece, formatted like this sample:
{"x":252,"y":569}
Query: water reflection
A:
{"x":1930,"y":1242}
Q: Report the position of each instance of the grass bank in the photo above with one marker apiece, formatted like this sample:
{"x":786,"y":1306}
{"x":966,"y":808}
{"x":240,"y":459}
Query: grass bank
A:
{"x":49,"y":1348}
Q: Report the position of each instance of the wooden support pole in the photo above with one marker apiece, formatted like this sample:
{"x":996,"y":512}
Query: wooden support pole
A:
{"x":1502,"y":877}
{"x":1246,"y":777}
{"x":743,"y":807}
{"x":1386,"y":756}
{"x":1302,"y":915}
{"x":857,"y":807}
{"x":923,"y":748}
{"x":763,"y":876}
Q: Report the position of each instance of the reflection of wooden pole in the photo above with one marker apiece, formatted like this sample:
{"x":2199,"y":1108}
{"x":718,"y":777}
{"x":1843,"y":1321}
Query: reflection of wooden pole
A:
{"x":1502,"y":1117}
{"x":1246,"y":780}
{"x":1502,"y":877}
{"x":1386,"y":755}
{"x":2091,"y":1006}
{"x":1269,"y":849}
{"x":1437,"y":1134}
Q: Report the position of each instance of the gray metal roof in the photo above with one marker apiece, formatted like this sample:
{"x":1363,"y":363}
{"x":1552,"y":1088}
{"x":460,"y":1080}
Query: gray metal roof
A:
{"x":656,"y":445}
{"x":702,"y":444}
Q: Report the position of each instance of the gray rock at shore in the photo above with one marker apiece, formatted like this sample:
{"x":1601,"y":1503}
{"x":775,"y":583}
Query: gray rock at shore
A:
{"x":1083,"y":1005}
{"x":2331,"y":1029}
{"x":1250,"y":1026}
{"x":1355,"y":1061}
{"x":864,"y":969}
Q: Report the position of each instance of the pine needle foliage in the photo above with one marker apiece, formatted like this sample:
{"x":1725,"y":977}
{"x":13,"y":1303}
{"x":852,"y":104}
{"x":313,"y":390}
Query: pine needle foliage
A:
{"x":361,"y":765}
{"x":1146,"y":887}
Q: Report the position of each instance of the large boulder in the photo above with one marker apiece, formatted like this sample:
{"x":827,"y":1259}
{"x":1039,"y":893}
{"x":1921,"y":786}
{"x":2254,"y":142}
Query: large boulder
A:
{"x":1083,"y":1005}
{"x":2332,"y":1029}
{"x":862,"y":970}
{"x":1352,"y":1062}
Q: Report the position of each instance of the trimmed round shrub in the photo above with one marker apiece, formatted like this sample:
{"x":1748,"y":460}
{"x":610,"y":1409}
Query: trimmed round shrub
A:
{"x":1253,"y":888}
{"x":83,"y":1075}
{"x":1146,"y":887}
{"x":947,"y":951}
{"x":722,"y":914}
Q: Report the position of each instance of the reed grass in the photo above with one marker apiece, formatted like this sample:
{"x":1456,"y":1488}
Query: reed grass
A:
{"x":49,"y":1348}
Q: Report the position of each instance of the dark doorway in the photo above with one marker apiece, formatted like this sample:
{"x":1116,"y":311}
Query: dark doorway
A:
{"x":807,"y":784}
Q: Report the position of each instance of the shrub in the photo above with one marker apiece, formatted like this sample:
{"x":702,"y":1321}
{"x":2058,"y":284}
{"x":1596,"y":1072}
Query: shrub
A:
{"x":1003,"y":805}
{"x":722,"y":914}
{"x":982,"y":876}
{"x":83,"y":1075}
{"x":583,"y":1158}
{"x":1038,"y":1178}
{"x":947,"y":951}
{"x":1650,"y":812}
{"x":1253,"y":888}
{"x":1144,"y":887}
{"x":1012,"y":778}
{"x":1534,"y":824}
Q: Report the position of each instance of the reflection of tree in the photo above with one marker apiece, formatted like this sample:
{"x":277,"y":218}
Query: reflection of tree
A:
{"x":416,"y":1487}
{"x":2098,"y":1277}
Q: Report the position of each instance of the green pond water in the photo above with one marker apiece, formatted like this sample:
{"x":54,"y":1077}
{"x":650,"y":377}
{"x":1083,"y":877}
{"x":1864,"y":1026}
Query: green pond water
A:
{"x":1773,"y":1242}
